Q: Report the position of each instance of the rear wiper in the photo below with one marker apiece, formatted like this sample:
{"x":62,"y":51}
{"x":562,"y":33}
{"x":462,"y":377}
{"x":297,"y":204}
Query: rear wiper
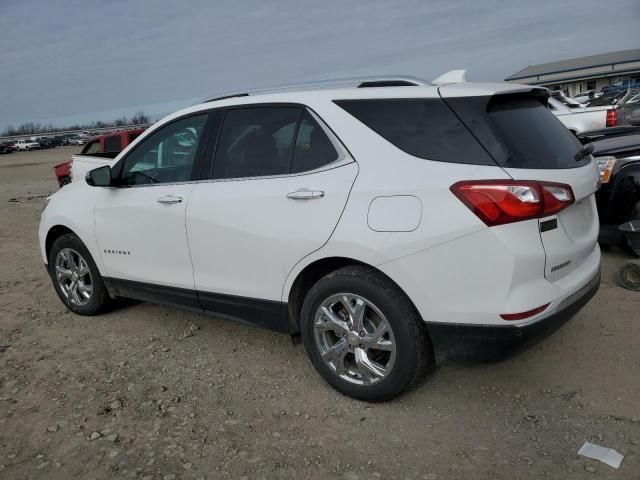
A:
{"x":584,"y":151}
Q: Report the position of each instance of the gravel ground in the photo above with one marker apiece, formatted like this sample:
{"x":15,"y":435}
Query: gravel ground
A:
{"x":153,"y":393}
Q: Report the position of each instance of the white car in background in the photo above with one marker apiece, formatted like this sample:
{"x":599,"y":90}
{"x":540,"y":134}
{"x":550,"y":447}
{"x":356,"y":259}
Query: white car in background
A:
{"x":77,"y":140}
{"x":27,"y":144}
{"x":586,"y":97}
{"x":581,"y":119}
{"x":388,"y":222}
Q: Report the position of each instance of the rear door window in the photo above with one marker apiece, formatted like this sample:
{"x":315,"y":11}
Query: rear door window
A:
{"x":424,"y":128}
{"x":256,"y":141}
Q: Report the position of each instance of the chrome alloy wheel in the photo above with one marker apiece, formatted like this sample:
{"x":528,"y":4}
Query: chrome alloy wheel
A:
{"x":73,"y":276}
{"x":354,"y":339}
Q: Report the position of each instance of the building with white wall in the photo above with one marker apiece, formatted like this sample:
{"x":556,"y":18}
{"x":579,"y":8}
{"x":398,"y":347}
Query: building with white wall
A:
{"x":582,"y":74}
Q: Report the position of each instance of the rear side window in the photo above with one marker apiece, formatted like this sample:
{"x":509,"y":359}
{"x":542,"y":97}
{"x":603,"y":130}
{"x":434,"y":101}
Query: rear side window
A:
{"x":424,"y":128}
{"x":313,"y":147}
{"x":112,"y":144}
{"x":256,"y":141}
{"x":531,"y":135}
{"x":519,"y":131}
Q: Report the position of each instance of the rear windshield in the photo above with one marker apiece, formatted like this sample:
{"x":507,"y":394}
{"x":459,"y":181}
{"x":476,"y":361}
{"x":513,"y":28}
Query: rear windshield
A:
{"x":424,"y":128}
{"x":519,"y":131}
{"x":533,"y":137}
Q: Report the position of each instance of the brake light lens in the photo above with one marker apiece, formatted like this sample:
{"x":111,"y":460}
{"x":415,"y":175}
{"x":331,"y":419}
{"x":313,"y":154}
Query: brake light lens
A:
{"x":612,"y":118}
{"x":497,"y":202}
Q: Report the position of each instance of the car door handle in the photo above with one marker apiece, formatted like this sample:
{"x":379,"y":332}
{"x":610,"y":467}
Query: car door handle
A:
{"x":305,"y":194}
{"x":169,"y":199}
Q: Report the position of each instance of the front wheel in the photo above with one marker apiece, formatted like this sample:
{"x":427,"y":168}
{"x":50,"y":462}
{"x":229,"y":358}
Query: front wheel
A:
{"x":76,"y":277}
{"x":363,"y":335}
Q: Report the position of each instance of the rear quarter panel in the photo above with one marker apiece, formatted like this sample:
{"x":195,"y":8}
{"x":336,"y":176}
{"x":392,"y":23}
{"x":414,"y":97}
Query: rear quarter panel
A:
{"x":385,"y":170}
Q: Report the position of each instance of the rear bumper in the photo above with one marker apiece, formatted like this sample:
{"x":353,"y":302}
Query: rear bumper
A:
{"x":496,"y":342}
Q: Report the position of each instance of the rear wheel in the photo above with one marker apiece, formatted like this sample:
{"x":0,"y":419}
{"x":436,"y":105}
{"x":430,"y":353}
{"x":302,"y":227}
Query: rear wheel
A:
{"x":363,"y":335}
{"x":76,"y":277}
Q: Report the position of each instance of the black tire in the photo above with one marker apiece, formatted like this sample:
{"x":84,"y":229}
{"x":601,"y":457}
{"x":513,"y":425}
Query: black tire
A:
{"x":64,"y":181}
{"x":99,"y":300}
{"x":414,"y":353}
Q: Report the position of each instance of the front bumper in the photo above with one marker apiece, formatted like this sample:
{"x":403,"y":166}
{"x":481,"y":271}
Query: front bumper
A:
{"x":496,"y":342}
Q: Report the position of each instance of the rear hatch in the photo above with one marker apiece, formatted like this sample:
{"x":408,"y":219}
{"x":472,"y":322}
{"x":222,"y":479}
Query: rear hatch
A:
{"x":529,"y":143}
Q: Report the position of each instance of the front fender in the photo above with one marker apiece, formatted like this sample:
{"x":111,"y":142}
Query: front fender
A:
{"x":73,"y":208}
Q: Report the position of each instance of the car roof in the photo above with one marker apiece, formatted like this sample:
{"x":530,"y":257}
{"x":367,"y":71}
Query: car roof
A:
{"x":308,"y":95}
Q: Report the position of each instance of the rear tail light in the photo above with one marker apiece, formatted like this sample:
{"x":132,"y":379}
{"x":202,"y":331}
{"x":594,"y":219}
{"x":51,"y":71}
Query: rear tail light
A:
{"x":612,"y":118}
{"x":605,"y":165}
{"x":497,"y":202}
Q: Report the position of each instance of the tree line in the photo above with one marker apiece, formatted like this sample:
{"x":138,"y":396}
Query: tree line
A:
{"x":28,"y":128}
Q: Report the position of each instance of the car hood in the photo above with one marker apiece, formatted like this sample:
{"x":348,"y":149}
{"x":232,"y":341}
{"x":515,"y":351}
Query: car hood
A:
{"x":616,"y":145}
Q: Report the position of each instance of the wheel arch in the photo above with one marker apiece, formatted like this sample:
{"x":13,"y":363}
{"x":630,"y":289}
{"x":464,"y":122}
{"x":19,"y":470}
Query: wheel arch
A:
{"x":53,"y":234}
{"x":313,"y":272}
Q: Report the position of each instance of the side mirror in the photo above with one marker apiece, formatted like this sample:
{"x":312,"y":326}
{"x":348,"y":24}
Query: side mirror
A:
{"x":99,"y":177}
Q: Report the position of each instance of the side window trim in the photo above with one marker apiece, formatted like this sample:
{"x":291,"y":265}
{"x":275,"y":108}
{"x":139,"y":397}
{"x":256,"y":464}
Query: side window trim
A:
{"x":344,"y":155}
{"x":196,"y":171}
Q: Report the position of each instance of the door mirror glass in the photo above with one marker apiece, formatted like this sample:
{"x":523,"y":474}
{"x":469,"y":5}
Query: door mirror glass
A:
{"x":99,"y":177}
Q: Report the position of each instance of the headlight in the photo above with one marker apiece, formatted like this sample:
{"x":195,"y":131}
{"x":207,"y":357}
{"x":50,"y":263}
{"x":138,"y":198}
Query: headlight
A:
{"x":605,"y":166}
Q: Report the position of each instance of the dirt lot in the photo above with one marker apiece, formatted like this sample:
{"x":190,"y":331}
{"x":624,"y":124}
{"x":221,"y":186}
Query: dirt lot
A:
{"x":150,"y":392}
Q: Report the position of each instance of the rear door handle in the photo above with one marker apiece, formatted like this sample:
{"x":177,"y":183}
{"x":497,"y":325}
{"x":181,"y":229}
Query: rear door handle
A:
{"x":305,"y":194}
{"x":169,"y":199}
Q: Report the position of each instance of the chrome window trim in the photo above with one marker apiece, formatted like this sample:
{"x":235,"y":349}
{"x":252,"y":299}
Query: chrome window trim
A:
{"x":344,"y":157}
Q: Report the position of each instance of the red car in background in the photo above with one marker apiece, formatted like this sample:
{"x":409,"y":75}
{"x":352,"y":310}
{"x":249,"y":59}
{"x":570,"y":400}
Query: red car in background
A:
{"x":109,"y":143}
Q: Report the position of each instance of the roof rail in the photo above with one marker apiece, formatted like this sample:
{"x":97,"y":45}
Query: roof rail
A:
{"x":355,"y":82}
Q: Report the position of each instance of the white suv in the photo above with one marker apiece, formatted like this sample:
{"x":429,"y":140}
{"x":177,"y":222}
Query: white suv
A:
{"x":384,"y":224}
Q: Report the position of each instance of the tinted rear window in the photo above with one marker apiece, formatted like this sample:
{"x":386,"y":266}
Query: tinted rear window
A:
{"x":533,"y":137}
{"x":424,"y":128}
{"x":519,"y":131}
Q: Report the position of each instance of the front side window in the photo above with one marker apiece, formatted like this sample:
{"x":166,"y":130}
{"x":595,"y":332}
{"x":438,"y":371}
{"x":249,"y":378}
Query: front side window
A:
{"x":167,"y":155}
{"x":256,"y":141}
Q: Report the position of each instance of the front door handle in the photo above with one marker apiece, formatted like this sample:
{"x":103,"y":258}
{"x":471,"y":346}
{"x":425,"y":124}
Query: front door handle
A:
{"x":305,"y":194}
{"x":169,"y":199}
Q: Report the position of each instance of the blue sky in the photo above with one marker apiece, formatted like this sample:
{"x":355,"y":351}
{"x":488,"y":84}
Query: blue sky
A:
{"x":75,"y":60}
